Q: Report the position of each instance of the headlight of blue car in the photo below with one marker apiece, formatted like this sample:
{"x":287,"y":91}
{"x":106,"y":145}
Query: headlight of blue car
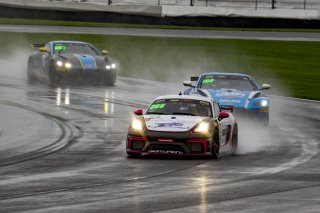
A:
{"x":262,"y":103}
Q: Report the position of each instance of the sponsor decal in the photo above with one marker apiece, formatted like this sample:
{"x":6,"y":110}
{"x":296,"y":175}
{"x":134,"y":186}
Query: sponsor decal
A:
{"x":231,"y":94}
{"x":151,"y":117}
{"x":224,"y":132}
{"x":166,"y":151}
{"x":173,"y":125}
{"x":232,"y":101}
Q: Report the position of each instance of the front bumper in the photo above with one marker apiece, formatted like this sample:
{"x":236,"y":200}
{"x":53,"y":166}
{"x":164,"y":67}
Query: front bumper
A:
{"x":80,"y":74}
{"x":174,"y":144}
{"x":258,"y":114}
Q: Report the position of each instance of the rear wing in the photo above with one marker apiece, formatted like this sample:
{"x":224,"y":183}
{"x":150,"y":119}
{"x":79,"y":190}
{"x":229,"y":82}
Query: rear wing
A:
{"x":194,"y":78}
{"x":229,"y":108}
{"x":37,"y":45}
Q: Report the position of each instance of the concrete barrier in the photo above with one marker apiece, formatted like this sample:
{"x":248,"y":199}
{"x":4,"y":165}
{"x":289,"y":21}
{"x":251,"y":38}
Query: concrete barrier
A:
{"x":160,"y":15}
{"x":184,"y":11}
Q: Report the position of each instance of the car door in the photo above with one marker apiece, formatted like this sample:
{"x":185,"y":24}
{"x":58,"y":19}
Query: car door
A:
{"x":45,"y":61}
{"x":41,"y":62}
{"x":224,"y":126}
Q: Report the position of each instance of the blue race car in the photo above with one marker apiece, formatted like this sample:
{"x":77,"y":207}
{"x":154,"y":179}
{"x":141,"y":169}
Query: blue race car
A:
{"x":234,"y":89}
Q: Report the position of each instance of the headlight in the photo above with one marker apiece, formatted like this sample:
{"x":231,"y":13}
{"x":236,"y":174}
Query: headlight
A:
{"x":59,"y":63}
{"x":264,"y":103}
{"x":202,"y":127}
{"x":68,"y":65}
{"x":111,"y":66}
{"x":136,"y":124}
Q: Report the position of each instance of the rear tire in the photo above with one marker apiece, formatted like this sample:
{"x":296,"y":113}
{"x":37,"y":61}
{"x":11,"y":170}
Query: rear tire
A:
{"x":215,"y":149}
{"x":30,"y":76}
{"x":234,"y":145}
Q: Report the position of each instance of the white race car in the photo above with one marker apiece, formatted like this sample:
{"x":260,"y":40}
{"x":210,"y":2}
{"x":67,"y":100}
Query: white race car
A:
{"x":182,"y":125}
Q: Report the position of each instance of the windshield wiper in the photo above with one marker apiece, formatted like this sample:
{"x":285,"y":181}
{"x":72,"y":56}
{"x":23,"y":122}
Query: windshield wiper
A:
{"x":183,"y":113}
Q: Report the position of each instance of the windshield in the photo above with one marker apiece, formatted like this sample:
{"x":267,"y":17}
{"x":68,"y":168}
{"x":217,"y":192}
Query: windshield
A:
{"x":227,"y":82}
{"x":74,"y":48}
{"x":180,"y":107}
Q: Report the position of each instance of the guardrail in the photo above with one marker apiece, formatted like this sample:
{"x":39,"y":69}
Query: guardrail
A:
{"x":245,"y":4}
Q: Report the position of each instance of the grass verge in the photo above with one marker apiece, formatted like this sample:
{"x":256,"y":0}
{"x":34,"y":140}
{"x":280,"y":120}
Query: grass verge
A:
{"x":292,"y":68}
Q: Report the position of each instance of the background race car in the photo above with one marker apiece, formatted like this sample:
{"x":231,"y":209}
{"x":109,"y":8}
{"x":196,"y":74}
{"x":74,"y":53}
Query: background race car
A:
{"x":182,"y":125}
{"x":70,"y":61}
{"x":234,"y":89}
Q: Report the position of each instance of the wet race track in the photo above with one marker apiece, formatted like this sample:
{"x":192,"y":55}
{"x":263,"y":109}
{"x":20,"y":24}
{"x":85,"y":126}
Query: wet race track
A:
{"x":63,"y":150}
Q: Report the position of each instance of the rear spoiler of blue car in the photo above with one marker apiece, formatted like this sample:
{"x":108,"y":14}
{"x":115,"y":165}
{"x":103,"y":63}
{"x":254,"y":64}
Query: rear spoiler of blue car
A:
{"x":37,"y":45}
{"x":194,"y":78}
{"x":230,"y":108}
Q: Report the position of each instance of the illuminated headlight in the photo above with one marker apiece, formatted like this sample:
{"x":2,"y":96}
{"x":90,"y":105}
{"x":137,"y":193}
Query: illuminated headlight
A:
{"x":111,"y":66}
{"x":59,"y":63}
{"x":202,"y":127}
{"x":136,"y":124}
{"x":68,"y":65}
{"x":264,"y":103}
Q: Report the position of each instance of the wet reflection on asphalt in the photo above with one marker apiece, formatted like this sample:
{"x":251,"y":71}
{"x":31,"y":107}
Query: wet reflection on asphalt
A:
{"x":93,"y":172}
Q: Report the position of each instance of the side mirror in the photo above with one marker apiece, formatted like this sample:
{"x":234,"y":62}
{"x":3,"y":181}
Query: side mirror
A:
{"x":265,"y":86}
{"x":223,"y":115}
{"x":43,"y":49}
{"x":104,"y":52}
{"x":187,"y":84}
{"x":138,"y":112}
{"x":230,"y":108}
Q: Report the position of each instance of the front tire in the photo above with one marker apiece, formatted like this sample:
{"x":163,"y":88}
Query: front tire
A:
{"x":234,"y":145}
{"x":52,"y":75}
{"x":109,"y":79}
{"x":133,"y":155}
{"x":215,"y":149}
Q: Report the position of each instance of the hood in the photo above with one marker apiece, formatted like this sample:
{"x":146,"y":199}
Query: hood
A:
{"x":171,"y":123}
{"x":88,"y":62}
{"x":236,"y":98}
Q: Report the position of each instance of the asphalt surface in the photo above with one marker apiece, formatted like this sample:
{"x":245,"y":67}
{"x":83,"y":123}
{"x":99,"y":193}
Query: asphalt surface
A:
{"x":296,"y":36}
{"x":62,"y":149}
{"x":84,"y":167}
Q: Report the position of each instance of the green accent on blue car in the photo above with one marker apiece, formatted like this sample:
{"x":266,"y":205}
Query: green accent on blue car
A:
{"x":207,"y":80}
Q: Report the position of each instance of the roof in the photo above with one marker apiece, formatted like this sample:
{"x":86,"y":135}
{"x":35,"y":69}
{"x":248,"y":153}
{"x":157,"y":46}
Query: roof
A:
{"x":61,"y":41}
{"x":226,"y":73}
{"x":193,"y":97}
